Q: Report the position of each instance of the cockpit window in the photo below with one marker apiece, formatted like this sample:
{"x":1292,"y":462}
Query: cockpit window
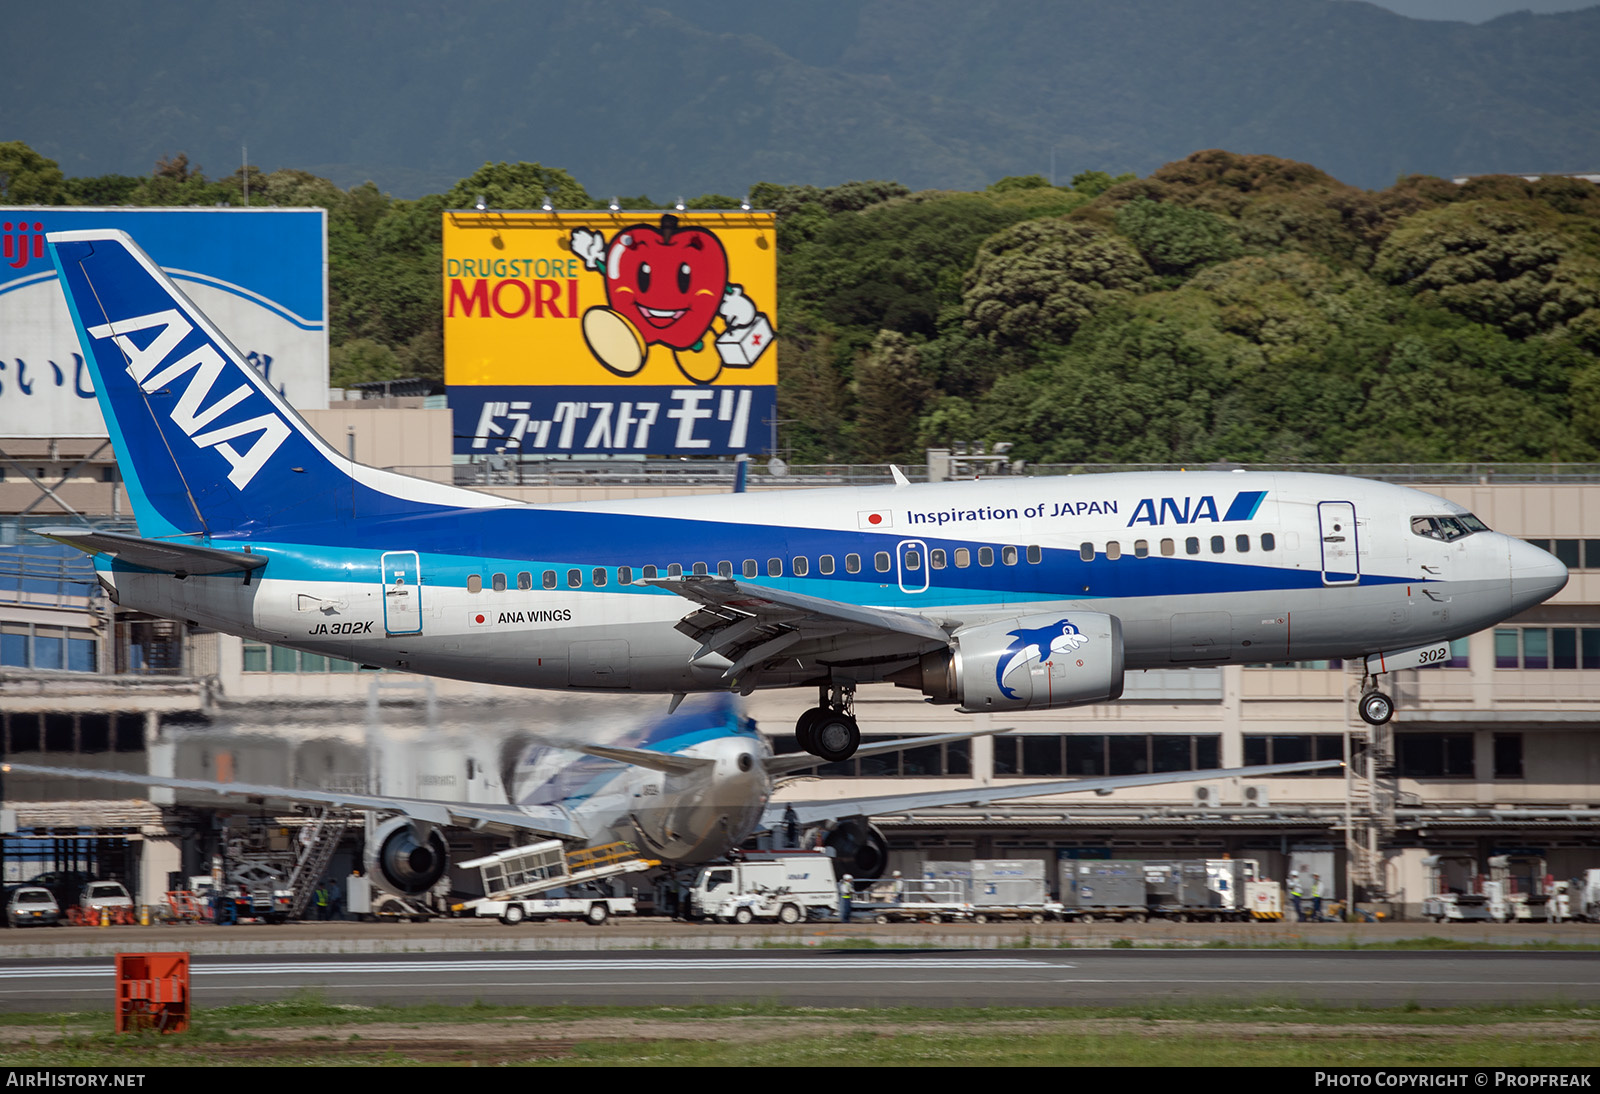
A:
{"x":1447,"y":528}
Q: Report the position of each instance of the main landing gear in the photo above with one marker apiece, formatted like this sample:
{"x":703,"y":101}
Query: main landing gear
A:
{"x":1374,"y":706}
{"x":829,"y":729}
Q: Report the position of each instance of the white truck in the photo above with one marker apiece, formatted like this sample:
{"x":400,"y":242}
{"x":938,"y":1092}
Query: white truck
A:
{"x":590,"y":909}
{"x":785,"y":887}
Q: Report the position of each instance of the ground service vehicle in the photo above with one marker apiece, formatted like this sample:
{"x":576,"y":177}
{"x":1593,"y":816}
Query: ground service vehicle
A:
{"x":783,"y":886}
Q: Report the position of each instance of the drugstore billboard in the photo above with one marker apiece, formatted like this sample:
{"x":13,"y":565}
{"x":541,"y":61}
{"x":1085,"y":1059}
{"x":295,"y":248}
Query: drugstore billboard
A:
{"x":260,"y":274}
{"x":587,"y":333}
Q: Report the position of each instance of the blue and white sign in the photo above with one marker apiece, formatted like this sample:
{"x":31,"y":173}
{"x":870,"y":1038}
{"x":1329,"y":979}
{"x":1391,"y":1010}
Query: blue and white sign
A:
{"x":261,"y":274}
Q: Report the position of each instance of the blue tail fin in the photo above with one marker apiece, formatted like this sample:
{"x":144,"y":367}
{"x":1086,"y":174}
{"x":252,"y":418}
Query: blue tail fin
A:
{"x":205,"y":444}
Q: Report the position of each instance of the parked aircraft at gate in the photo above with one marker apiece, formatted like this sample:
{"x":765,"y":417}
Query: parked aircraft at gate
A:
{"x":997,"y":595}
{"x":687,"y":787}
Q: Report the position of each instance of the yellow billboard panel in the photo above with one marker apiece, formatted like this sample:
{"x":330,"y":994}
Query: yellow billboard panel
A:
{"x":543,"y":308}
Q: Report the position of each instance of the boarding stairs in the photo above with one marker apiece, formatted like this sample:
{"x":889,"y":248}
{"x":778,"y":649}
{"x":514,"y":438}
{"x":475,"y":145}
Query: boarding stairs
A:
{"x":518,"y":873}
{"x":319,"y":840}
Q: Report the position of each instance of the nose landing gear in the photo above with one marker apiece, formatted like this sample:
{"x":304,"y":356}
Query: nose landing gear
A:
{"x":829,"y":729}
{"x":1374,"y":706}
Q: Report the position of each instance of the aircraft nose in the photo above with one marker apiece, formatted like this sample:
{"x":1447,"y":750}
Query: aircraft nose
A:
{"x":1536,"y":575}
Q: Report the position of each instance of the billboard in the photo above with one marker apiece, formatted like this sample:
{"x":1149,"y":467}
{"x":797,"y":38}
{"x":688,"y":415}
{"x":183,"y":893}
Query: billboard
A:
{"x":589,"y":333}
{"x":260,"y":274}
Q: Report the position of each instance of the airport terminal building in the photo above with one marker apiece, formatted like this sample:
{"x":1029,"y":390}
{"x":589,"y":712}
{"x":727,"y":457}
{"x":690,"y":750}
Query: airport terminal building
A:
{"x":1494,"y":753}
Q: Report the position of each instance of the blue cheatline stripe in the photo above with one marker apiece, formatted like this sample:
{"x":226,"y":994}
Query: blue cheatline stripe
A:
{"x":1245,"y":504}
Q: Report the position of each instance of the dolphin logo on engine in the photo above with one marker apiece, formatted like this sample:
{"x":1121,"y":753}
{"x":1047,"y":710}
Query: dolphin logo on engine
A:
{"x":1036,"y":645}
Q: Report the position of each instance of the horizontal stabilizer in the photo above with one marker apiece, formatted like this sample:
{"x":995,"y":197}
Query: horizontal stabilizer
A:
{"x":667,"y":762}
{"x":163,"y":556}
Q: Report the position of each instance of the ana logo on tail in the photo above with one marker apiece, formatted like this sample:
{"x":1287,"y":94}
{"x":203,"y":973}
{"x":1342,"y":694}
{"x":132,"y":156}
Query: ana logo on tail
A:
{"x":190,"y":414}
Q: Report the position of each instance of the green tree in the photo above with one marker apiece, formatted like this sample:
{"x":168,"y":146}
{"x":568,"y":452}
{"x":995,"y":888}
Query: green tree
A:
{"x":359,"y":361}
{"x":518,"y":186}
{"x":1174,"y":239}
{"x":892,"y":394}
{"x":1038,"y":281}
{"x":27,"y":178}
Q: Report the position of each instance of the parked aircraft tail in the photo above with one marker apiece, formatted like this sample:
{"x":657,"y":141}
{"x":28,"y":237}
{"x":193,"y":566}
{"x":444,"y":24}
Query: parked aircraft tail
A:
{"x":206,"y":446}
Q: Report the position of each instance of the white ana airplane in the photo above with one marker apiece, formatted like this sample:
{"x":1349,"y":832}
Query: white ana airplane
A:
{"x":995,"y":595}
{"x":687,"y":787}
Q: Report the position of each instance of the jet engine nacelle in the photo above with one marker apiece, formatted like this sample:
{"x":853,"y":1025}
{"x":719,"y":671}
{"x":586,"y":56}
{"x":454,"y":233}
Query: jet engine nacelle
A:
{"x":859,"y":849}
{"x":406,"y":857}
{"x":1030,"y":662}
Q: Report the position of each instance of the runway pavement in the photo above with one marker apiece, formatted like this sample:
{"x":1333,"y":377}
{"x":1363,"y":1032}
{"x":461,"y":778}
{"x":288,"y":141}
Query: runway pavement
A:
{"x":659,"y":961}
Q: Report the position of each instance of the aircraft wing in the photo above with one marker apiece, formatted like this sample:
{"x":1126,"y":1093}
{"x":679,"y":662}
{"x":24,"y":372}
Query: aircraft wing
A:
{"x":164,"y":556}
{"x":799,"y":761}
{"x":810,"y":812}
{"x":751,"y":624}
{"x":548,"y":821}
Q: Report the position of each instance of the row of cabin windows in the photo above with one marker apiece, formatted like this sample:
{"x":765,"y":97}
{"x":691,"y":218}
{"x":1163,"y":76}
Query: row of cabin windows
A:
{"x":882,"y":562}
{"x":800,"y":566}
{"x":1169,"y":547}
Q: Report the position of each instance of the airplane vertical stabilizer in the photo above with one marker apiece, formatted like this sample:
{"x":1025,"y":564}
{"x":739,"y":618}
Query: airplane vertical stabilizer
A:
{"x":205,"y":444}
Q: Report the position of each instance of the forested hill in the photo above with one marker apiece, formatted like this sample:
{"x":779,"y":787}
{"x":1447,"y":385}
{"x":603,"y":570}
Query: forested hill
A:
{"x":686,"y":96}
{"x":1225,"y":307}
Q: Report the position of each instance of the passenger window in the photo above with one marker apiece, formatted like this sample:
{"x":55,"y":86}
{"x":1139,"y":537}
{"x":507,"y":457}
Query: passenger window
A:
{"x":774,"y":567}
{"x":1035,"y":555}
{"x":936,"y":558}
{"x":474,"y":583}
{"x":963,"y":558}
{"x":985,"y":556}
{"x":724,"y":568}
{"x":699,"y":569}
{"x":524,"y":580}
{"x":825,"y":564}
{"x":1241,"y":544}
{"x":801,"y":565}
{"x":624,"y":575}
{"x":1113,"y":549}
{"x":674,"y":569}
{"x":1168,"y":548}
{"x":574,"y":579}
{"x":1008,"y":555}
{"x":1269,"y":542}
{"x":852,"y":564}
{"x":1141,"y":548}
{"x":650,"y":571}
{"x":599,"y":577}
{"x":913,"y":560}
{"x":499,"y":581}
{"x":1086,"y":552}
{"x":881,"y":561}
{"x":1218,"y":545}
{"x":549,"y":579}
{"x":751,"y":567}
{"x":1192,"y":545}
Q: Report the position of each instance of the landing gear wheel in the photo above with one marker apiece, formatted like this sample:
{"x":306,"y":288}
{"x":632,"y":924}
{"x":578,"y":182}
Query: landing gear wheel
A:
{"x":743,"y":916}
{"x":1376,"y":708}
{"x":804,"y":729}
{"x":513,"y":915}
{"x":835,"y":737}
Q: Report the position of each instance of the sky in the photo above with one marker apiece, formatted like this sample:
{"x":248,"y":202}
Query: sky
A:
{"x":1477,"y":11}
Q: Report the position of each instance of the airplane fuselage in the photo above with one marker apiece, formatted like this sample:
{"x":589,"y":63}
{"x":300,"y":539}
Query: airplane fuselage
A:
{"x":1200,"y":568}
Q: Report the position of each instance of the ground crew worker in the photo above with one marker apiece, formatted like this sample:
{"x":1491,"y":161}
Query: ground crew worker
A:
{"x":1316,"y":898}
{"x":847,"y":892}
{"x":322,"y":902}
{"x":1295,"y":893}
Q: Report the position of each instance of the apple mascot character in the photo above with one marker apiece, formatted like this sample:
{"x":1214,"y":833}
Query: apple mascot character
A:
{"x":666,"y":285}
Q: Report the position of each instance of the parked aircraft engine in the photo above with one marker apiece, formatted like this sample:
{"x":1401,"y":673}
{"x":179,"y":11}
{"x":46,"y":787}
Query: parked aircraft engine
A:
{"x":1031,"y":662}
{"x":406,"y":857}
{"x":859,"y":849}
